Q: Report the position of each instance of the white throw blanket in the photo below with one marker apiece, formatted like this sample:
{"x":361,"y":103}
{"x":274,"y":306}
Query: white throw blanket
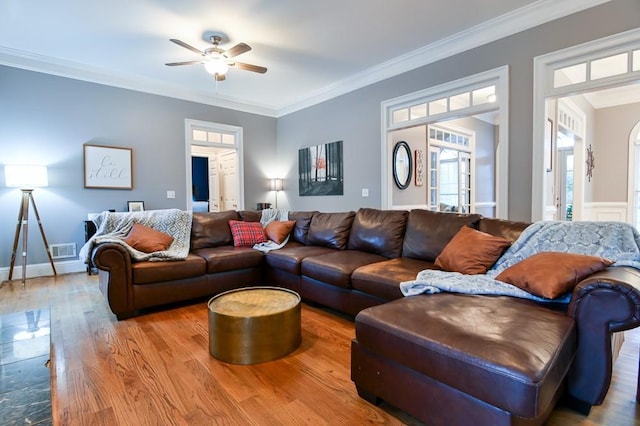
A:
{"x":114,"y":227}
{"x":615,"y":241}
{"x":268,"y":216}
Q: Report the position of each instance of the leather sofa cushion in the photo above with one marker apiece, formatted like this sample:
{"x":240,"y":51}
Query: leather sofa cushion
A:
{"x":336,"y":268}
{"x":508,"y":352}
{"x":330,"y":229}
{"x":289,"y":258}
{"x":153,"y":272}
{"x":211,"y":229}
{"x":230,"y":258}
{"x":378,"y":231}
{"x":429,"y":232}
{"x":250,"y":215}
{"x":383,"y":279}
{"x":301,"y":230}
{"x":502,"y":228}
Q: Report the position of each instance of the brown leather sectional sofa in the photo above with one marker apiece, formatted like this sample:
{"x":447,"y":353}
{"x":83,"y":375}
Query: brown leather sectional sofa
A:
{"x":444,"y":358}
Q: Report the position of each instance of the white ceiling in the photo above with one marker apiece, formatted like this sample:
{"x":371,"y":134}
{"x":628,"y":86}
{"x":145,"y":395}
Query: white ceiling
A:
{"x":314,"y":50}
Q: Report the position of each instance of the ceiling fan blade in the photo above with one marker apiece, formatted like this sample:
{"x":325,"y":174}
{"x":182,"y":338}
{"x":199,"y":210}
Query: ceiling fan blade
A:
{"x":238,"y":49}
{"x":173,"y":64}
{"x":186,"y":46}
{"x":220,"y":77}
{"x":249,"y":67}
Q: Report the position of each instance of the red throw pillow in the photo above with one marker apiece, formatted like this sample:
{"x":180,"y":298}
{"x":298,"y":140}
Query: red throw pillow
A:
{"x":471,"y":252}
{"x":246,"y":234}
{"x":277,"y":230}
{"x":146,"y":239}
{"x":551,"y":274}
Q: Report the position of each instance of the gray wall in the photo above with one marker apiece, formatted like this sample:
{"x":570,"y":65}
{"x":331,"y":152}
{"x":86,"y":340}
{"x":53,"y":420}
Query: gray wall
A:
{"x":355,"y":117}
{"x":46,"y":119}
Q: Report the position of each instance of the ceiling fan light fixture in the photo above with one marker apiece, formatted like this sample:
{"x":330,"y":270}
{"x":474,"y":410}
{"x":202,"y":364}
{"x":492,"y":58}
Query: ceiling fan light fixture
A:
{"x":216,"y":66}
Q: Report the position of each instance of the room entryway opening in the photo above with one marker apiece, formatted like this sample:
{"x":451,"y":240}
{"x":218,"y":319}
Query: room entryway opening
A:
{"x":214,"y":166}
{"x":457,"y":137}
{"x":600,"y":79}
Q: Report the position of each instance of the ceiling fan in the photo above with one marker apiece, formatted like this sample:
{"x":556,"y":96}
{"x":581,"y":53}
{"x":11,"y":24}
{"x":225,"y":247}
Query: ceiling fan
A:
{"x":216,"y":60}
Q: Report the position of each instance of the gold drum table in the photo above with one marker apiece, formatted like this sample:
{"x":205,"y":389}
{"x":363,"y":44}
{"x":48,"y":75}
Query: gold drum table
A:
{"x":254,"y":324}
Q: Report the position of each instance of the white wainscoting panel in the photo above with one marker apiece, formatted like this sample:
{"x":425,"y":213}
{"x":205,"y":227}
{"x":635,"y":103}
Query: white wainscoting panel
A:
{"x":605,"y":211}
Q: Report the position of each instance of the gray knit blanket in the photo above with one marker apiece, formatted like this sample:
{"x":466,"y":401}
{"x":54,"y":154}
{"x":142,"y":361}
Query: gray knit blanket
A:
{"x":114,"y":227}
{"x":615,"y":241}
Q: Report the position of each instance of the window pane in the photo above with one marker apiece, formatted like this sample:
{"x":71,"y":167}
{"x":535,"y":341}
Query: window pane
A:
{"x":228,"y":139}
{"x":199,"y":135}
{"x":437,"y":107}
{"x":459,"y":101}
{"x":484,"y":96}
{"x":418,"y":111}
{"x":400,"y":115}
{"x":606,"y":67}
{"x":636,"y":60}
{"x":570,"y":75}
{"x":214,"y":137}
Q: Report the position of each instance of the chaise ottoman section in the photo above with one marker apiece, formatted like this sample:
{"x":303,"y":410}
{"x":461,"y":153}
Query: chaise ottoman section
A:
{"x":500,"y":352}
{"x":382,"y":279}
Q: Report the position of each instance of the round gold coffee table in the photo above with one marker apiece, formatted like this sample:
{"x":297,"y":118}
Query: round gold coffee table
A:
{"x":254,"y":324}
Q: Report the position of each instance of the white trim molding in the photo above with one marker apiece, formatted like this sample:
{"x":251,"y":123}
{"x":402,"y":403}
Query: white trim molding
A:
{"x":605,"y":211}
{"x":44,"y":270}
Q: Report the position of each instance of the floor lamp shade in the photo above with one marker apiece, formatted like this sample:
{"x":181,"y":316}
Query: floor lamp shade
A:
{"x":25,"y":176}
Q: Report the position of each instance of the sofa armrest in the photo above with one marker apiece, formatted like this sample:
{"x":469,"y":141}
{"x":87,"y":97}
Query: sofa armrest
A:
{"x":116,"y":284}
{"x":603,"y":303}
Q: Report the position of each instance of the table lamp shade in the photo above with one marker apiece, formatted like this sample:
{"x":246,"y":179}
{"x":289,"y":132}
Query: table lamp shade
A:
{"x":25,"y":176}
{"x":275,"y":184}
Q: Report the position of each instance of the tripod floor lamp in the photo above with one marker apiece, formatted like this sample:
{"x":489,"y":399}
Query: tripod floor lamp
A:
{"x":26,"y":178}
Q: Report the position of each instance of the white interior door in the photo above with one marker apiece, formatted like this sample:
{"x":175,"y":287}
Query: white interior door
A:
{"x":214,"y":184}
{"x":229,"y":177}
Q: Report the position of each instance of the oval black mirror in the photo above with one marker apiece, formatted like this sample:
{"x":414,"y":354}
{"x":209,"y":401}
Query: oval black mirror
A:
{"x":402,"y":164}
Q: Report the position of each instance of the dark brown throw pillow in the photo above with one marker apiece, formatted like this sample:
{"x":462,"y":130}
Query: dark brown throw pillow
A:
{"x":278,"y":230}
{"x":471,"y":252}
{"x":146,"y":239}
{"x":551,"y":274}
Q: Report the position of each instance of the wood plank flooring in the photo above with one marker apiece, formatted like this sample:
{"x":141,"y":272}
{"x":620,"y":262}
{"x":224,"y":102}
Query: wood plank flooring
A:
{"x":156,"y":369}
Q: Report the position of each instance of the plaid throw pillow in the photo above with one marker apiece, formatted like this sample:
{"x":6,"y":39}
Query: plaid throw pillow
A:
{"x":246,"y":234}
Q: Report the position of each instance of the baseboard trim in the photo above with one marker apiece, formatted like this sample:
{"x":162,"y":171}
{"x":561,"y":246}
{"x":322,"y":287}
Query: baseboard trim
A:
{"x":43,"y":269}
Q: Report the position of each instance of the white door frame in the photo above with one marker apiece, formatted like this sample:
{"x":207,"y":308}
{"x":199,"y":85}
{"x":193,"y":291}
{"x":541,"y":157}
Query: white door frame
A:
{"x":498,"y":77}
{"x":189,"y":126}
{"x":543,"y":88}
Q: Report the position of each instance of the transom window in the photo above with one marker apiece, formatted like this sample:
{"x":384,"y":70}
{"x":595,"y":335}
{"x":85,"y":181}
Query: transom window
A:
{"x":474,"y":96}
{"x":207,"y":136}
{"x":588,"y":69}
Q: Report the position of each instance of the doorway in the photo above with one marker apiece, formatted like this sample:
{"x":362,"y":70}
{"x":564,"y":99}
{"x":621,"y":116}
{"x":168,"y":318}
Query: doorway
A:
{"x":214,"y":166}
{"x":603,"y":76}
{"x":565,"y":183}
{"x":481,"y":97}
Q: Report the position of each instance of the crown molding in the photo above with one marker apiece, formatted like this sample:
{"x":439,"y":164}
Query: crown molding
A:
{"x":44,"y":64}
{"x":513,"y":22}
{"x":505,"y":25}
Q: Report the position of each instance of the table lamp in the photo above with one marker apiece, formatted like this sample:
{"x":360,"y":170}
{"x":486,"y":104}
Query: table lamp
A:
{"x":275,"y":184}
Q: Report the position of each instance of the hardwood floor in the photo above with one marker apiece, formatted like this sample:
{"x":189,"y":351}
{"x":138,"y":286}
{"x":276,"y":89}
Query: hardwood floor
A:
{"x":156,"y":369}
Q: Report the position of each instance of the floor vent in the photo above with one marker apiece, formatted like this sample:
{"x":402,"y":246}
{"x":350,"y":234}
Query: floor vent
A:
{"x":59,"y":251}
